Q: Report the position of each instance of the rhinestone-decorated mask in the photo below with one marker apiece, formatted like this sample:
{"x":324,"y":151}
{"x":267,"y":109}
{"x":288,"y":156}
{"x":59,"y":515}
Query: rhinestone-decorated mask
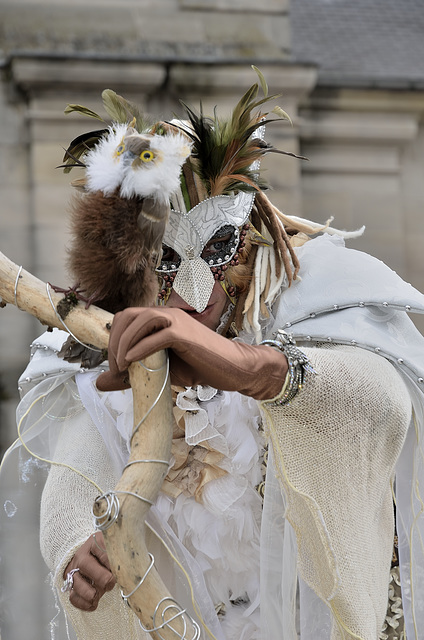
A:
{"x":190,"y":255}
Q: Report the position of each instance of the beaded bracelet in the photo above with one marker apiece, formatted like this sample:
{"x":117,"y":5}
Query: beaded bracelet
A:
{"x":298,"y":365}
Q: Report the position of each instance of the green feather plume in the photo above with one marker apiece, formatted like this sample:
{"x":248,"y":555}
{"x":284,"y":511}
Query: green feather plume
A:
{"x":84,"y":111}
{"x":225,"y":149}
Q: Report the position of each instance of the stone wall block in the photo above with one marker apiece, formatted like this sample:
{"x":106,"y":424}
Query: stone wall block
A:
{"x":268,"y":6}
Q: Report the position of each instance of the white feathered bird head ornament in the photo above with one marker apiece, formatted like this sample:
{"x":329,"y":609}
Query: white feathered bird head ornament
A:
{"x":131,"y":168}
{"x":137,"y":164}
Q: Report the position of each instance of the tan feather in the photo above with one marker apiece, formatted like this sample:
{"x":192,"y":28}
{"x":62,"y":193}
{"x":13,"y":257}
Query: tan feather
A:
{"x":84,"y":111}
{"x":122,"y":110}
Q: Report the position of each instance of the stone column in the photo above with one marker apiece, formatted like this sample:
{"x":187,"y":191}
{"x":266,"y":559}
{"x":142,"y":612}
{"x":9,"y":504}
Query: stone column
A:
{"x":363,"y":149}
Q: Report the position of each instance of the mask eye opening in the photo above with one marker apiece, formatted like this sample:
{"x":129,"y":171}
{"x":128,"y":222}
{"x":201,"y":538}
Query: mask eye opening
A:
{"x":221,"y":248}
{"x":170,"y":260}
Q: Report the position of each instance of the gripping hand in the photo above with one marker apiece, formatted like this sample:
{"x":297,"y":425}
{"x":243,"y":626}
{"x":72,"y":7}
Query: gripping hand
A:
{"x":197,"y":354}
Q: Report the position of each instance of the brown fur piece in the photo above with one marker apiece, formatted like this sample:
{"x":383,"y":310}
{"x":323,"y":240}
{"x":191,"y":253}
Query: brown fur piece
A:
{"x":114,"y":251}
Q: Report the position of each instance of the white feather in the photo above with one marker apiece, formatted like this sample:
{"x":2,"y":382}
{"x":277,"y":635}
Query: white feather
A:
{"x":161,"y":177}
{"x":222,"y":531}
{"x":327,"y":229}
{"x":105,"y":169}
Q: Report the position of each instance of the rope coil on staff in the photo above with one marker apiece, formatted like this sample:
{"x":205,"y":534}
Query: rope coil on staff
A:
{"x":166,"y":623}
{"x":111,"y":514}
{"x":87,"y":346}
{"x":158,"y":397}
{"x":125,"y":597}
{"x":16,"y":286}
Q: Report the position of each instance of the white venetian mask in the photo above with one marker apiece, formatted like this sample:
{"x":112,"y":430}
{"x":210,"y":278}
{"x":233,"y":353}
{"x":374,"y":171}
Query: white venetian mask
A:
{"x":187,"y":235}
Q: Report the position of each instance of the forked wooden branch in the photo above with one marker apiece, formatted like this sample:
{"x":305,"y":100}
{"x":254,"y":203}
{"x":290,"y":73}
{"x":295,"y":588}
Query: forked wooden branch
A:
{"x":128,"y":555}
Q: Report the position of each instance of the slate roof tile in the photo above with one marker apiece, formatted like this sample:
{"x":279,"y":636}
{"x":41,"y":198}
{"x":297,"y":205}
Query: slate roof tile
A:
{"x":361,"y":42}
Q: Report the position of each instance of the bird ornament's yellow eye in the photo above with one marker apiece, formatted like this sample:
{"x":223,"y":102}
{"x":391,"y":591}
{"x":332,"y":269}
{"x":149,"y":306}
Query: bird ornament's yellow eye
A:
{"x":147,"y":155}
{"x":120,"y":149}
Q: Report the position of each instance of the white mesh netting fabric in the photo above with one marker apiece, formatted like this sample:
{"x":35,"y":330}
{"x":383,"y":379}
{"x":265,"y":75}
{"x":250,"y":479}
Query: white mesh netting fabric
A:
{"x":66,"y":523}
{"x":344,"y":420}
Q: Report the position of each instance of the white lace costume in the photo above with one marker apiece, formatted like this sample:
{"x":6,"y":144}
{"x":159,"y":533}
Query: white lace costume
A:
{"x":333,"y":455}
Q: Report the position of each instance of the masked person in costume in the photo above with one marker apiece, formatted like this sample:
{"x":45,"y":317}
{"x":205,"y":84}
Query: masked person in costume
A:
{"x":297,"y":383}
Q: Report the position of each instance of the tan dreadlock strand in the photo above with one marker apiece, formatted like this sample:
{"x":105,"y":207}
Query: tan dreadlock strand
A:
{"x":243,"y":276}
{"x":284,"y":251}
{"x":240,"y":278}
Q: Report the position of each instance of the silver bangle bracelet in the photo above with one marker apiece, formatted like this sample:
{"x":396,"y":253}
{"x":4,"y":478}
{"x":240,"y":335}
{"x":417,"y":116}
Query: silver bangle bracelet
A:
{"x":298,"y":364}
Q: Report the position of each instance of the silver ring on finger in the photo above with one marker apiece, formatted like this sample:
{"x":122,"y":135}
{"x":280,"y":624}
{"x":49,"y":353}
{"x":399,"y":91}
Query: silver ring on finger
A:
{"x":68,"y":583}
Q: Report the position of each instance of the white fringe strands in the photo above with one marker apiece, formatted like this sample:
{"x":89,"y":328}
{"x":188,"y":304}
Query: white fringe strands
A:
{"x":266,"y":284}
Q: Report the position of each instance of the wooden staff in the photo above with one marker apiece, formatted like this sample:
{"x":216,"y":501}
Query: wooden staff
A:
{"x":128,"y":556}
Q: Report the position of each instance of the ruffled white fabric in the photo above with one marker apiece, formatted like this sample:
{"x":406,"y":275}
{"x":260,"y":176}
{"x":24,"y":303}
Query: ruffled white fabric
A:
{"x":223,"y":531}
